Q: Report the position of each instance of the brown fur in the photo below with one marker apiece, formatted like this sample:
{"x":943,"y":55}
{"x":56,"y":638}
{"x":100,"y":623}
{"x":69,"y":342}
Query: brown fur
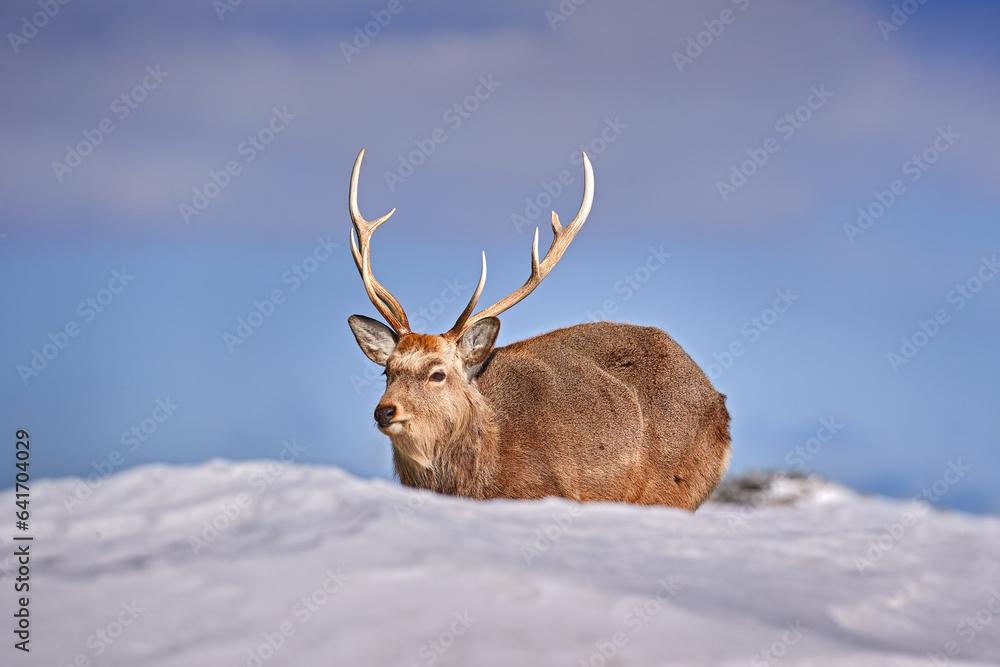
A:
{"x":594,"y":412}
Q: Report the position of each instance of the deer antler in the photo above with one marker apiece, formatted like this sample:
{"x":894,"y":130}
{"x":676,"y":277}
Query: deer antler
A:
{"x":384,"y":302}
{"x":561,"y":240}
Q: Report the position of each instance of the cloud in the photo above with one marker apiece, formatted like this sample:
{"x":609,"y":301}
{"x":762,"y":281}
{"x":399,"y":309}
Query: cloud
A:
{"x":558,"y":89}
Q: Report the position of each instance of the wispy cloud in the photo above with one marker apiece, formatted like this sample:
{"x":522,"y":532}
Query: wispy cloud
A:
{"x":689,"y":127}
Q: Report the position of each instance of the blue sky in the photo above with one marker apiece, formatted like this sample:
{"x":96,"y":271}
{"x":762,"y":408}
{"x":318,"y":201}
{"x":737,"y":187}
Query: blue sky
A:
{"x":744,"y":158}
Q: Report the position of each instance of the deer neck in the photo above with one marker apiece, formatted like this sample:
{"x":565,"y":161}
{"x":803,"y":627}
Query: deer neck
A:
{"x":464,"y":461}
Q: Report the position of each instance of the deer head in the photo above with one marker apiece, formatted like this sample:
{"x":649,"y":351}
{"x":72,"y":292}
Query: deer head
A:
{"x":430,"y":395}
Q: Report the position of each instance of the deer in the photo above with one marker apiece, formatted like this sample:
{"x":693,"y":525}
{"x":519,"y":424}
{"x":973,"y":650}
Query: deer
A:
{"x":600,"y":411}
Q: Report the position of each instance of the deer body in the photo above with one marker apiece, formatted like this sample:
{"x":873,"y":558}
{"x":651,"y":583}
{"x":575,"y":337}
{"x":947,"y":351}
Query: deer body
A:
{"x":594,"y":412}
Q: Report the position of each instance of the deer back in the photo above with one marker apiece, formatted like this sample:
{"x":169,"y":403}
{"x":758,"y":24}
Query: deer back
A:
{"x":605,"y":411}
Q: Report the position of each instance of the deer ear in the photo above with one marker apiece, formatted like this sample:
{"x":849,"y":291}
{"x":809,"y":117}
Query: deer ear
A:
{"x":376,"y":339}
{"x":477,"y":341}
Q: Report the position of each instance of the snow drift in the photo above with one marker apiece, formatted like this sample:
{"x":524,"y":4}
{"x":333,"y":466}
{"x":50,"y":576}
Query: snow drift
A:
{"x":262,"y":563}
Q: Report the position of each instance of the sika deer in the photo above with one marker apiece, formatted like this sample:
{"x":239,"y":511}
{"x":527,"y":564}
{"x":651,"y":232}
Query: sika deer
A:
{"x":593,"y":412}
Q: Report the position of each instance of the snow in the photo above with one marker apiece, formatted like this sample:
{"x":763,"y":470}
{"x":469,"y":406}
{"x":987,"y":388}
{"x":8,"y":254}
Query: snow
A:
{"x":311,"y":566}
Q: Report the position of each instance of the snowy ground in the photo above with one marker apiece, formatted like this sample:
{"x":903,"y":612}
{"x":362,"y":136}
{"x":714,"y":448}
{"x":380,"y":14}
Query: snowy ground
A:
{"x":309,"y":566}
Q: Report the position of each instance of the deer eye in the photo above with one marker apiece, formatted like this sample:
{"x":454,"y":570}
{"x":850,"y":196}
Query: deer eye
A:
{"x":437,"y":376}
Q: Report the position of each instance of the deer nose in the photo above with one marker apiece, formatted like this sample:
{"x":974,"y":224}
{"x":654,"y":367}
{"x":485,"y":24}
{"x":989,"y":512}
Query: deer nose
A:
{"x":384,"y":414}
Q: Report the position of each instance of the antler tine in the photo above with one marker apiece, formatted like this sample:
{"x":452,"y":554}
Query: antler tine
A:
{"x":384,"y":302}
{"x":460,"y":324}
{"x":562,"y":236}
{"x":384,"y":296}
{"x":390,"y":318}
